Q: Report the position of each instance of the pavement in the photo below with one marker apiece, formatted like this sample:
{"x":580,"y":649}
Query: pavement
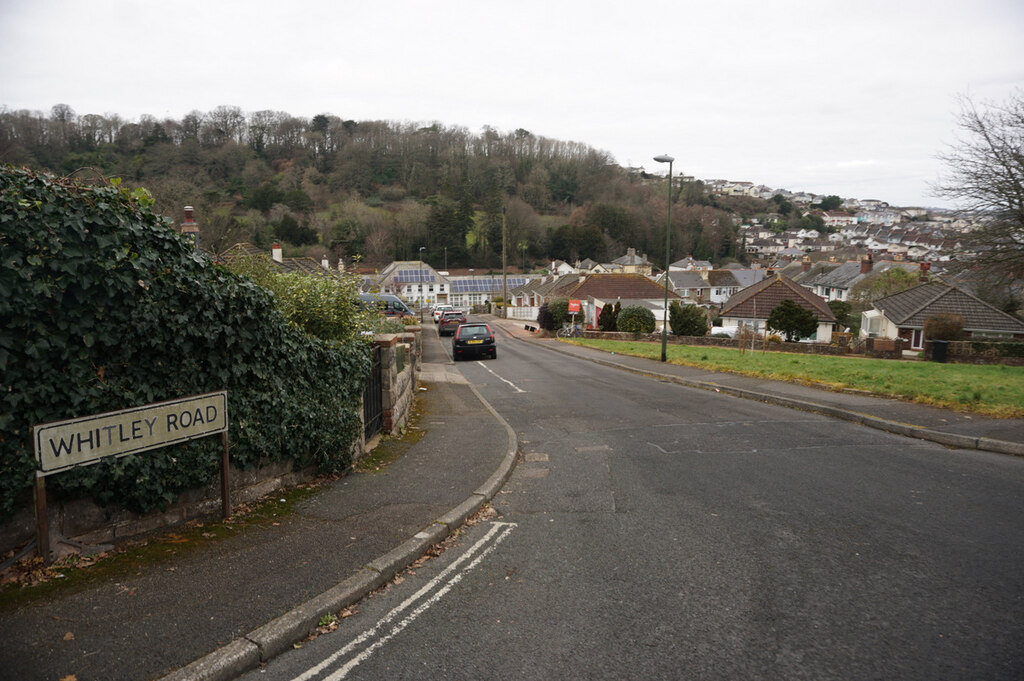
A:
{"x":223,"y":608}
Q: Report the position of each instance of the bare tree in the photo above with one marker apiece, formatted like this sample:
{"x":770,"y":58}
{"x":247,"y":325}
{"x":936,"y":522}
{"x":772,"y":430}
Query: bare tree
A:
{"x":985,"y":176}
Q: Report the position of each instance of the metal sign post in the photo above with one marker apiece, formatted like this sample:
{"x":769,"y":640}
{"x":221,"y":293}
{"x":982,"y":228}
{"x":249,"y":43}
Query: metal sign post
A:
{"x":63,"y":445}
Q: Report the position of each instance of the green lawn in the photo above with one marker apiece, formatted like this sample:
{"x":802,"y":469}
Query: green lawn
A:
{"x":990,"y":390}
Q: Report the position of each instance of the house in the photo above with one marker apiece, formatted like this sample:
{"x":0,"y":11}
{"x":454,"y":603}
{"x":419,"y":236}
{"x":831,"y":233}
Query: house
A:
{"x":903,"y":315}
{"x":525,"y":300}
{"x":836,"y":282}
{"x":596,"y":290}
{"x":838,"y":219}
{"x":634,"y":264}
{"x":479,"y":289}
{"x":560,"y":267}
{"x":303,"y":265}
{"x":707,"y":287}
{"x":688,"y":263}
{"x":749,"y":309}
{"x":601,"y":290}
{"x":416,"y":282}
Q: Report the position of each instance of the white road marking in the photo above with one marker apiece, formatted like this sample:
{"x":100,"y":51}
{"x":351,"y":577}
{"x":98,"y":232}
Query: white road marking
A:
{"x":516,"y":387}
{"x":494,"y":536}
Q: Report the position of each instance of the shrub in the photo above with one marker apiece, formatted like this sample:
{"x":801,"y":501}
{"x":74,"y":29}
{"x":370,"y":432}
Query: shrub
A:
{"x":556,"y":314}
{"x":635,"y":319}
{"x":948,"y":327}
{"x":609,"y":314}
{"x":687,"y":320}
{"x":325,"y":306}
{"x":106,"y":307}
{"x":792,"y":320}
{"x":544,"y":318}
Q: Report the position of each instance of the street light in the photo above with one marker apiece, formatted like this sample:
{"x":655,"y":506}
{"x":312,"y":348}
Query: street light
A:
{"x":665,"y":158}
{"x":421,"y":283}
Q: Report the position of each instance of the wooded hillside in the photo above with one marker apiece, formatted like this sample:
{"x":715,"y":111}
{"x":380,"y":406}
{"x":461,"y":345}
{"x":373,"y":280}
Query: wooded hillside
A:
{"x":376,"y":191}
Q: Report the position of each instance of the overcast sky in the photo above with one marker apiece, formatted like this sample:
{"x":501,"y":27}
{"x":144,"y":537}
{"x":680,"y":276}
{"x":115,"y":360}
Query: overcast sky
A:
{"x":853,"y":98}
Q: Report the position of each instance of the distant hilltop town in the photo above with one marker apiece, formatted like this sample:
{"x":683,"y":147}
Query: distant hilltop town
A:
{"x":924,"y":234}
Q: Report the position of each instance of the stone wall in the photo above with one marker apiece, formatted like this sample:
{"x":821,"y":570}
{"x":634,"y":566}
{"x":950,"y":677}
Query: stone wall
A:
{"x":884,"y":348}
{"x":711,"y":341}
{"x":401,"y":357}
{"x":981,"y":352}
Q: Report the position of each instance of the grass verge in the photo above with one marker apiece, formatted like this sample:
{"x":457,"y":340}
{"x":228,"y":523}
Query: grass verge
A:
{"x":992,"y":390}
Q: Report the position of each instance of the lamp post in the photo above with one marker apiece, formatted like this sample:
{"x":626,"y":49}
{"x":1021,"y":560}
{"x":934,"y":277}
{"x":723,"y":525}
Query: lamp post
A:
{"x":665,"y":158}
{"x":421,"y":283}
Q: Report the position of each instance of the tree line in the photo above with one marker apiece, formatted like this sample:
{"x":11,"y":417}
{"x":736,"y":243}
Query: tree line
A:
{"x":377,"y":191}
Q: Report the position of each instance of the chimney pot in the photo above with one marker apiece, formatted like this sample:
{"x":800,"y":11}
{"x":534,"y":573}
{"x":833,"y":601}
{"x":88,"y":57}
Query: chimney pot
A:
{"x":866,"y":264}
{"x":189,"y":227}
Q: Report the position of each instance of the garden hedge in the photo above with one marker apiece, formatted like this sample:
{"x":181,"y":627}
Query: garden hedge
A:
{"x":105,"y":306}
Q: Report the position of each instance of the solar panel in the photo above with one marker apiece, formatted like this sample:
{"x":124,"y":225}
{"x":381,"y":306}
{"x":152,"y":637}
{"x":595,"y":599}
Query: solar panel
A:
{"x":411,"y":276}
{"x":485,"y":284}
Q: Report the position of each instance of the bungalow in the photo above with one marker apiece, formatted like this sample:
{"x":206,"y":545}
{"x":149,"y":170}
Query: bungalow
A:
{"x":601,"y":290}
{"x":903,"y":315}
{"x":749,"y":309}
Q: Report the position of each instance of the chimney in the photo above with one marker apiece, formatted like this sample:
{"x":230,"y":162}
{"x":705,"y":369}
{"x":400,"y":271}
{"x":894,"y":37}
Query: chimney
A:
{"x":276,"y":253}
{"x":189,"y":228}
{"x":924,"y":267}
{"x":866,"y":263}
{"x":805,"y":263}
{"x":326,"y":264}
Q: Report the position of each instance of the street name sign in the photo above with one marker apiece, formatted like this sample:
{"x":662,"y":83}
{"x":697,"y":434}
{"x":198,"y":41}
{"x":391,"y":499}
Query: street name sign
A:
{"x":65,"y":444}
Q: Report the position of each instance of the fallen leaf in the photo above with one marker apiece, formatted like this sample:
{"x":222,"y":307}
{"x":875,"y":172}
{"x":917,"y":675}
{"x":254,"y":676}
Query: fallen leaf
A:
{"x":69,"y":677}
{"x":69,"y":636}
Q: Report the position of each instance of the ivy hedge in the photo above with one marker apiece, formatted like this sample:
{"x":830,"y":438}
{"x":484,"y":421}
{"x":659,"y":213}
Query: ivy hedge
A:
{"x":105,"y":306}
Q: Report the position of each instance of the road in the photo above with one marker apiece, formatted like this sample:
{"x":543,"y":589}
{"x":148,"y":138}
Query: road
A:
{"x":655,"y":531}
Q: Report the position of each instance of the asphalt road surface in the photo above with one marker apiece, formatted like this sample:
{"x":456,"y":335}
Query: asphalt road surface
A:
{"x":651,"y":531}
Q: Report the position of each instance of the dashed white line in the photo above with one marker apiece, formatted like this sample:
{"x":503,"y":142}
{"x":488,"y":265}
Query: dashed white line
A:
{"x":514,"y":386}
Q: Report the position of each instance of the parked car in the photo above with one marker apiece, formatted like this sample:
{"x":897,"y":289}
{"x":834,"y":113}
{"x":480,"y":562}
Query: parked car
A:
{"x":473,"y":340}
{"x":450,"y":321}
{"x":385,"y":303}
{"x":439,"y":310}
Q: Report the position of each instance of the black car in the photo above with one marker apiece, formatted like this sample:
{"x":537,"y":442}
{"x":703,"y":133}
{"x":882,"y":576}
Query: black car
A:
{"x":473,"y":340}
{"x":449,"y":322}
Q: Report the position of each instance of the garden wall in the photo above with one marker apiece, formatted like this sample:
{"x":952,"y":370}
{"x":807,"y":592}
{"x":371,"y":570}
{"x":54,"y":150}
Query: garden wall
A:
{"x":711,"y":341}
{"x":82,"y":520}
{"x":981,"y":352}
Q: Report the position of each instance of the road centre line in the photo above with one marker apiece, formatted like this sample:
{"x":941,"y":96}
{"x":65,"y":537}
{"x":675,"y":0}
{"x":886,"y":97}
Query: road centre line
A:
{"x":494,"y":536}
{"x":516,"y":387}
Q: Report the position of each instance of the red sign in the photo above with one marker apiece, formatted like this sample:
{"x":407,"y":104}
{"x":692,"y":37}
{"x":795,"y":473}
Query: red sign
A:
{"x":574,"y":306}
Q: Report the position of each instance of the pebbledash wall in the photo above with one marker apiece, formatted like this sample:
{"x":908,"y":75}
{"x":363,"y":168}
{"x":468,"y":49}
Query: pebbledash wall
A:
{"x":84,"y":521}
